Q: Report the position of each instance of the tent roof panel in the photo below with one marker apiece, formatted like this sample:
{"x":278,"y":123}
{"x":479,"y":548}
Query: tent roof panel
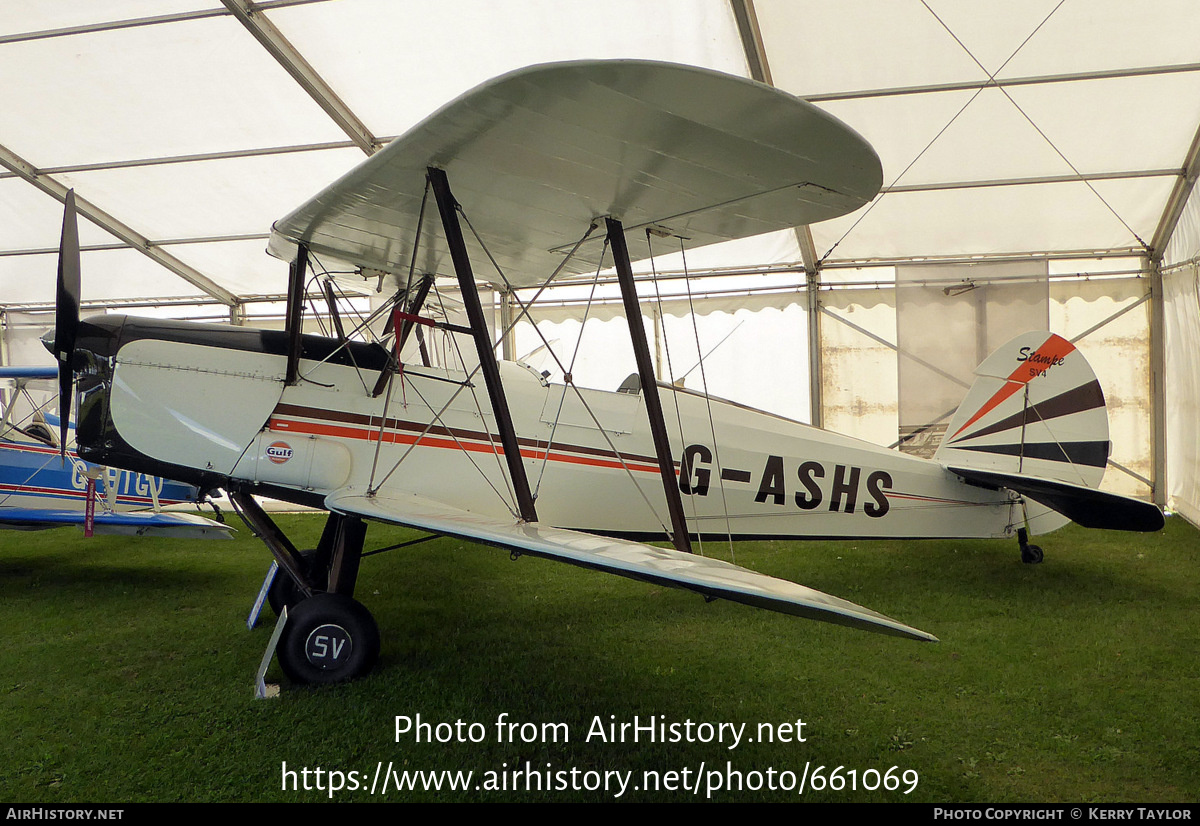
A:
{"x":1107,"y":124}
{"x":397,"y":74}
{"x":108,"y":275}
{"x":32,"y":220}
{"x":22,"y":18}
{"x":815,"y":47}
{"x":172,"y":89}
{"x":242,"y":267}
{"x":998,"y":220}
{"x":211,"y":198}
{"x":1110,"y":34}
{"x":1089,"y":122}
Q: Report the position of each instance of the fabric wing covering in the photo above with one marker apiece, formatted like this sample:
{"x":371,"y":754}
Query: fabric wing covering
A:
{"x":537,"y":155}
{"x":710,"y":577}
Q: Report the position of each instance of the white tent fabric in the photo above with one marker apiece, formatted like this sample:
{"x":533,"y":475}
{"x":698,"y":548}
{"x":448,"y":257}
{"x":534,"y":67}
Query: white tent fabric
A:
{"x":171,"y":117}
{"x":752,"y":346}
{"x":1181,"y":296}
{"x":187,"y":130}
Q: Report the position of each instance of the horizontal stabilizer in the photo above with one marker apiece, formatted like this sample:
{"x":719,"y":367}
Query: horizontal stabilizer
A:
{"x":177,"y":525}
{"x":1085,"y":506}
{"x":711,"y":577}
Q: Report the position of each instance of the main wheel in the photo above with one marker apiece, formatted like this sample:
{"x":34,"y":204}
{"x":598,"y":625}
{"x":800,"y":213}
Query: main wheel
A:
{"x":1031,"y":554}
{"x":328,"y":638}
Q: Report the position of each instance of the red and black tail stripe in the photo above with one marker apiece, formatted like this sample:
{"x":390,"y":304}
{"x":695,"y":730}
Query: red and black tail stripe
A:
{"x":1094,"y":454}
{"x":1053,"y":350}
{"x":1085,"y":397}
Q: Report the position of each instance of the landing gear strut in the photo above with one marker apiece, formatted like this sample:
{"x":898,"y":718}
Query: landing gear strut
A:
{"x":285,"y":593}
{"x":329,"y":637}
{"x":1030,"y":554}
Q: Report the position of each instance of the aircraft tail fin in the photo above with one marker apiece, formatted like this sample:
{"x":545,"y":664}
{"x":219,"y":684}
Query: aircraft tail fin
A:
{"x":1035,"y":409}
{"x":1035,"y":422}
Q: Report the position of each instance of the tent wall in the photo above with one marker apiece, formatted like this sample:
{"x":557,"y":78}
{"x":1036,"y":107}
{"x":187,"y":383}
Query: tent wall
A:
{"x":1109,"y":320}
{"x":761,"y":353}
{"x":1181,"y":296}
{"x":1181,"y":331}
{"x":944,"y":331}
{"x":859,"y":369}
{"x":754,"y":347}
{"x":1108,"y":317}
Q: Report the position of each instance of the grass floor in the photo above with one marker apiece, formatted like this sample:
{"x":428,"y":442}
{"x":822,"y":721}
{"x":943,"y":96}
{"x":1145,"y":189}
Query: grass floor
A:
{"x":127,"y":670}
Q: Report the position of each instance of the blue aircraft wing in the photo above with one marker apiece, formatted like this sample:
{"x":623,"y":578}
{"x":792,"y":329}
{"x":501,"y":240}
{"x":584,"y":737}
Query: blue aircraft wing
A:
{"x":39,"y":490}
{"x":183,"y":525}
{"x":28,"y":372}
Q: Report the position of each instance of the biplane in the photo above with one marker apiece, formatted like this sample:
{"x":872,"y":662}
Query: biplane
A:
{"x":43,"y":484}
{"x":555,"y":170}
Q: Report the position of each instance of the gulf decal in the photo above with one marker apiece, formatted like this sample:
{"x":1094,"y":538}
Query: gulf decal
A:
{"x":279,"y":452}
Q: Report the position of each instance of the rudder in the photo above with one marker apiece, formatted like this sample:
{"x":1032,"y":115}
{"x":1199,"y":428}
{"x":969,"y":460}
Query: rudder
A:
{"x":1035,"y":409}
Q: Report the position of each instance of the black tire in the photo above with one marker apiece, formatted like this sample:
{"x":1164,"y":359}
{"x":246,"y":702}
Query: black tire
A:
{"x":1031,"y":554}
{"x":328,"y":638}
{"x":285,"y":591}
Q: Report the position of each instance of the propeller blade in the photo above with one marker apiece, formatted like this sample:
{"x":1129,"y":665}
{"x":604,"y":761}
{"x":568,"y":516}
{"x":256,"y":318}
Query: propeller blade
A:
{"x":66,"y":315}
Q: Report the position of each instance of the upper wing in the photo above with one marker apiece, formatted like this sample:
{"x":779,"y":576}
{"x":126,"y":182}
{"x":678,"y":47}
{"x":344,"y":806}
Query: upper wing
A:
{"x":179,"y":525}
{"x":711,"y":577}
{"x":535,"y":155}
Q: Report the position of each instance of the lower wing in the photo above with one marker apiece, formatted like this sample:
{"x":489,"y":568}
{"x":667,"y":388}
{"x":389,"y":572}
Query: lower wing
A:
{"x":710,"y":577}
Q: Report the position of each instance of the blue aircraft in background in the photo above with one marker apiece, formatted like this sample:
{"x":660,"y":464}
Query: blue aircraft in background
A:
{"x":44,"y":486}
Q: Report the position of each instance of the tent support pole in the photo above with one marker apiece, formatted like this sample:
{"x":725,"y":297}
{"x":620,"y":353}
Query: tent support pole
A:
{"x":447,"y":208}
{"x":812,"y":294}
{"x":1158,"y":395}
{"x":654,"y":412}
{"x":507,"y":345}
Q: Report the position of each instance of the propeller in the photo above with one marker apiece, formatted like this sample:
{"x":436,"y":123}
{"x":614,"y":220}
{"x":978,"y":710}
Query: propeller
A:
{"x":66,"y":316}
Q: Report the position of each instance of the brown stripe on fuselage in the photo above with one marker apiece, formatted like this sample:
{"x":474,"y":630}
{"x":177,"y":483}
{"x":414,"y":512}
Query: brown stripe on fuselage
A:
{"x":365,"y":420}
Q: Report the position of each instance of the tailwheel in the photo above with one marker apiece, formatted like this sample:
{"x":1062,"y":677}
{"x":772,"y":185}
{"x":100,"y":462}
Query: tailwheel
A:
{"x":1030,"y":554}
{"x":328,"y":638}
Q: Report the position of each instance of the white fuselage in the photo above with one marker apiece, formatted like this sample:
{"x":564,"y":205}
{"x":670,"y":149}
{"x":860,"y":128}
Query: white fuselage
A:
{"x":746,"y":473}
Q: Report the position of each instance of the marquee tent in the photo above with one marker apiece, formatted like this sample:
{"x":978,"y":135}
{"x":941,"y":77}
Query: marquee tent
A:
{"x":1039,"y":159}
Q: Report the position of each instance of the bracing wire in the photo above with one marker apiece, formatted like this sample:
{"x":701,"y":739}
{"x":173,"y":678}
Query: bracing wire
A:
{"x":525,"y":314}
{"x":708,"y":403}
{"x":437,"y":417}
{"x":569,"y":375}
{"x":674,"y":396}
{"x":475,"y":399}
{"x":1024,"y":114}
{"x":978,"y":92}
{"x":1025,"y":420}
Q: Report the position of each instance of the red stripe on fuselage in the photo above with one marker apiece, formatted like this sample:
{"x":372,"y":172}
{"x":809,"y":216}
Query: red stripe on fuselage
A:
{"x":458,"y":442}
